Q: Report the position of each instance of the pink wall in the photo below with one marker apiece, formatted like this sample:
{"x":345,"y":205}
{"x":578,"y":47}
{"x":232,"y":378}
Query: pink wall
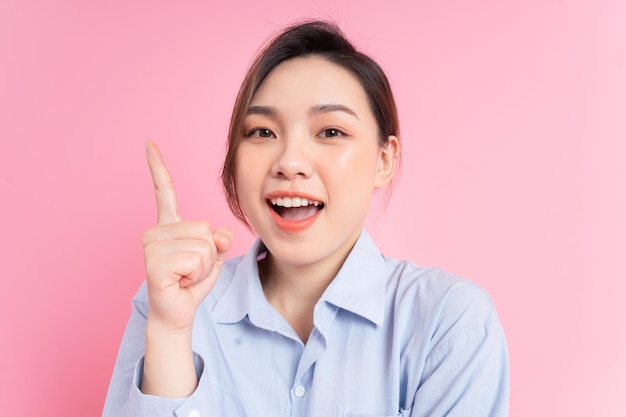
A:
{"x":514,"y":128}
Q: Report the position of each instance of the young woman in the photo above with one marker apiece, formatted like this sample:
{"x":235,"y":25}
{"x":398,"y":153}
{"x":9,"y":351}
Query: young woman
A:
{"x":313,"y":320}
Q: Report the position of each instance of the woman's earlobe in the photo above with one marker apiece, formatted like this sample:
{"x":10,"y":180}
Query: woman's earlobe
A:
{"x":389,"y":155}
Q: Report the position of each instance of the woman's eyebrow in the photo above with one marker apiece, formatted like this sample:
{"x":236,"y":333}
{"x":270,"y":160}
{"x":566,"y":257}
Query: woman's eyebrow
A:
{"x":320,"y":108}
{"x":329,"y":108}
{"x":262,"y":110}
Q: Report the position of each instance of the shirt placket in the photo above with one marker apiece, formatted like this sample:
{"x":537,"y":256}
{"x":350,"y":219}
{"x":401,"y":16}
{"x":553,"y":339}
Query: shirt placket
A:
{"x":302,"y":383}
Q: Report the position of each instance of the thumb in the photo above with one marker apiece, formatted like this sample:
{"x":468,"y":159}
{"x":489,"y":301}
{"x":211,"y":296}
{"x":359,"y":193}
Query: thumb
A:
{"x":223,"y":239}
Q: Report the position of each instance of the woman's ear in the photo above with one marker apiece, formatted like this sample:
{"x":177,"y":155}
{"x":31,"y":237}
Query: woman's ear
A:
{"x":387,"y":161}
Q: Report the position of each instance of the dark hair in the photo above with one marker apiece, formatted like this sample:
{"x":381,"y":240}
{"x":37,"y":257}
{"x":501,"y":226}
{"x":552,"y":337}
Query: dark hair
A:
{"x":302,"y":39}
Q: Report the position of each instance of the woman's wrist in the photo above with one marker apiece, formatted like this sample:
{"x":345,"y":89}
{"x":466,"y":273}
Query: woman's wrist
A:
{"x":169,"y":369}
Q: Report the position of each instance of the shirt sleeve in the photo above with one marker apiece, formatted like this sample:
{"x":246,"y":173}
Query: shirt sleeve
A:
{"x":124,"y":398}
{"x":466,"y":373}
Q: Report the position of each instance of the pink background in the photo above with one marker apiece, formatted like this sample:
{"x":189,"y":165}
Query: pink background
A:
{"x":513,"y":121}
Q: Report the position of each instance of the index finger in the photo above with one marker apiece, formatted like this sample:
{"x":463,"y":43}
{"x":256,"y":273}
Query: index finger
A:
{"x":167,"y":211}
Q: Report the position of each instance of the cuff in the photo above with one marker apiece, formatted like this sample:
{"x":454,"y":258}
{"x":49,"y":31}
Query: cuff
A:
{"x":140,"y":404}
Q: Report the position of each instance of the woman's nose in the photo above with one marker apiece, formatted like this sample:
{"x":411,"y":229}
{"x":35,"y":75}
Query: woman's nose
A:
{"x":293,"y":160}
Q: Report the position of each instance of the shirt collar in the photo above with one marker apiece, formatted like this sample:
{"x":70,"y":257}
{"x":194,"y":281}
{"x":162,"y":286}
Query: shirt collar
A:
{"x":235,"y":302}
{"x":359,"y":286}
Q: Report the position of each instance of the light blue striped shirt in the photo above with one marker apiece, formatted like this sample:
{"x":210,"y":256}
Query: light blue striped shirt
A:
{"x":389,"y":339}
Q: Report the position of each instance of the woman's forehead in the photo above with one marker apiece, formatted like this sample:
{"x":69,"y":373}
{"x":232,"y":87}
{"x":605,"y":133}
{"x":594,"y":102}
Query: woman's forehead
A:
{"x":309,"y":81}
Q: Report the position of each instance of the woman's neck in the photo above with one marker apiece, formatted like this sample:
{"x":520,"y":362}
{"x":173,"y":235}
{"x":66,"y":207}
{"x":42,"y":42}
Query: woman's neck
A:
{"x":293,"y":290}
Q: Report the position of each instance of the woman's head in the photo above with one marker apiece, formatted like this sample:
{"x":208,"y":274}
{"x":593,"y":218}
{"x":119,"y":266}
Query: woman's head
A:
{"x":315,"y":38}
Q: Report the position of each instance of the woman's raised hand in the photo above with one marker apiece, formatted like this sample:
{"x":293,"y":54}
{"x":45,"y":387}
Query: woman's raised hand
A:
{"x":183,"y":259}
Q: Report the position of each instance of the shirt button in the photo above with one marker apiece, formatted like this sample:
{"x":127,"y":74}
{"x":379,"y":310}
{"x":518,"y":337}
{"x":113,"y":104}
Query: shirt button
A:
{"x":299,"y":391}
{"x":194,"y":413}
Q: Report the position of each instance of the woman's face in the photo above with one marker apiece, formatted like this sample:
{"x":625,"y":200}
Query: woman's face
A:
{"x":309,"y":161}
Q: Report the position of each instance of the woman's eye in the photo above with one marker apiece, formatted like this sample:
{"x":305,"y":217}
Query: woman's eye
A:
{"x":329,"y":133}
{"x":261,"y":133}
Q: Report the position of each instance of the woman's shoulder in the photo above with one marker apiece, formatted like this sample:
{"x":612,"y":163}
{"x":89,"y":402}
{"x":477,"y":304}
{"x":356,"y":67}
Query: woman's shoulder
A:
{"x":446,"y":303}
{"x":429,"y":282}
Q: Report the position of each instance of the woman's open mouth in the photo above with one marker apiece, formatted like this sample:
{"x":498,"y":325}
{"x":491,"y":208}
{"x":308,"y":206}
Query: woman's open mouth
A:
{"x":295,"y":208}
{"x":295,"y":214}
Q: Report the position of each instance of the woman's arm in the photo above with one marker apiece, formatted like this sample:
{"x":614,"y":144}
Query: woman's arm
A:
{"x":183,"y":261}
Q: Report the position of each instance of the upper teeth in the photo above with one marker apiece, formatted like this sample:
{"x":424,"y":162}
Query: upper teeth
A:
{"x":293,"y":202}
